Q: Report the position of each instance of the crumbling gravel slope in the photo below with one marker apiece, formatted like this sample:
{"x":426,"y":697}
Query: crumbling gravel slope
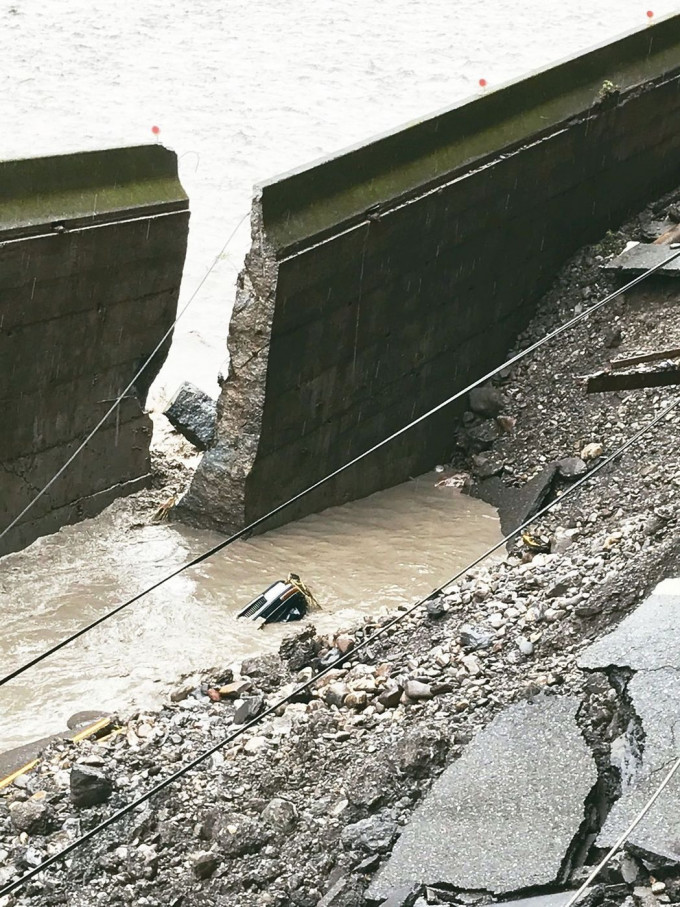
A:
{"x":304,"y":808}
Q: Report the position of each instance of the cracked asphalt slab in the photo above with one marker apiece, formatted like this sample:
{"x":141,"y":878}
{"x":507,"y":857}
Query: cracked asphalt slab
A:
{"x":648,"y":639}
{"x":503,"y":816}
{"x":648,"y":643}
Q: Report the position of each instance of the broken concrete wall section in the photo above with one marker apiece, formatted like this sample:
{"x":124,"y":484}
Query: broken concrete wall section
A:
{"x":384,"y":279}
{"x":92,"y":250}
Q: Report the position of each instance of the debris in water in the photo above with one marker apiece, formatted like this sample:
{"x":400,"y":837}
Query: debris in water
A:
{"x":163,"y":510}
{"x":454,"y":480}
{"x":282,"y":602}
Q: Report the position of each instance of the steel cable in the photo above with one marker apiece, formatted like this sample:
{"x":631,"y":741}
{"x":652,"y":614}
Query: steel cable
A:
{"x":318,"y":484}
{"x":369,"y":640}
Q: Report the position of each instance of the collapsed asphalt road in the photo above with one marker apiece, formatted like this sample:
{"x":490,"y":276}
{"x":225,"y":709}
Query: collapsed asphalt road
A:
{"x":484,"y":748}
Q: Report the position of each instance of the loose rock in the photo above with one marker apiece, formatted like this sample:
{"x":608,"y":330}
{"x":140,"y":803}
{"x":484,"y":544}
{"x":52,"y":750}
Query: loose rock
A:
{"x":89,"y":786}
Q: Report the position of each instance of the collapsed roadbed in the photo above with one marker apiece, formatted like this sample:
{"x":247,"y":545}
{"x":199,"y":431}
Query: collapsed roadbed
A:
{"x":484,"y":748}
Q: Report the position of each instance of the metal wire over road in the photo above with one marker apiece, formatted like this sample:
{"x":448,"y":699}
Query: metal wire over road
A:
{"x":576,"y":897}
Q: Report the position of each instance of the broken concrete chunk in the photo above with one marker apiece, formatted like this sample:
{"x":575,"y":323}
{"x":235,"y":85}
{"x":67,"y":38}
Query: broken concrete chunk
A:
{"x":356,"y":700}
{"x":204,"y":863}
{"x":472,"y":664}
{"x":479,"y":436}
{"x":436,"y":608}
{"x":235,"y":689}
{"x":473,"y":637}
{"x":506,"y":423}
{"x":391,"y":697}
{"x":31,"y":816}
{"x":525,"y":646}
{"x":572,"y":468}
{"x":516,"y":505}
{"x":193,"y":413}
{"x":248,"y":709}
{"x":485,"y":465}
{"x":612,"y":337}
{"x":642,"y":257}
{"x":629,"y":868}
{"x":299,"y":648}
{"x":89,"y":786}
{"x":592,"y":451}
{"x":504,"y":815}
{"x":372,"y":835}
{"x":419,"y":750}
{"x":414,"y":689}
{"x":280,"y":814}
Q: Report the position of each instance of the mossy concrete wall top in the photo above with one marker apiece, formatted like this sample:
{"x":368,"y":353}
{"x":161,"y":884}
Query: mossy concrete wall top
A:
{"x":88,"y":187}
{"x":92,"y":250}
{"x":304,"y":204}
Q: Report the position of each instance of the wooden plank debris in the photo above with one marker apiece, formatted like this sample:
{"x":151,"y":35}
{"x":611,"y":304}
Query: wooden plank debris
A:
{"x":627,"y":381}
{"x":638,"y":358}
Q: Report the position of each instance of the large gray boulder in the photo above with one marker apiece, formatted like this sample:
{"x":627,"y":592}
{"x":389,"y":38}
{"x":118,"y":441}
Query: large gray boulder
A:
{"x":193,"y":413}
{"x":89,"y":786}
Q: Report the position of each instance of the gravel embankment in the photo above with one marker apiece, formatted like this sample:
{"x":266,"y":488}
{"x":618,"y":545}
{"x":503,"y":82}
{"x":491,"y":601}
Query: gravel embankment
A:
{"x":302,"y":809}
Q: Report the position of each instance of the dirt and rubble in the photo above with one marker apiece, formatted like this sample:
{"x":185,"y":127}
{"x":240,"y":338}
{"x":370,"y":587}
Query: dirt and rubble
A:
{"x":306,"y":806}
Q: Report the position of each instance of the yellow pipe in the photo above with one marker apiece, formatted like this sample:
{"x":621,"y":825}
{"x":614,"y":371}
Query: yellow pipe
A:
{"x":20,"y":771}
{"x":89,"y":731}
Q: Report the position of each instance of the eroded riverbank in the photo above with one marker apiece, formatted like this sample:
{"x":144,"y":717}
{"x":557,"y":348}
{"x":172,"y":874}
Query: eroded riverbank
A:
{"x":305,"y":808}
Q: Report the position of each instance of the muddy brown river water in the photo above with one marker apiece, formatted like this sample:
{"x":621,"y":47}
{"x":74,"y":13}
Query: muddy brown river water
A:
{"x":378,"y":553}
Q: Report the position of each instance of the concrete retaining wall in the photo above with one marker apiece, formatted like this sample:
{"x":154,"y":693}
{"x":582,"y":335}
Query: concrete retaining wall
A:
{"x":92,"y":249}
{"x":384,"y":279}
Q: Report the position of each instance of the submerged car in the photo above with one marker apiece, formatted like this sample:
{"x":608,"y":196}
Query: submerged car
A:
{"x":282,"y":602}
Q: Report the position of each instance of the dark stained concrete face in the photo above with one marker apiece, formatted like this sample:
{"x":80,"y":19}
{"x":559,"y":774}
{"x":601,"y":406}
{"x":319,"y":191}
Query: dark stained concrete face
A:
{"x":382,"y":281}
{"x":502,"y":817}
{"x":92,"y":249}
